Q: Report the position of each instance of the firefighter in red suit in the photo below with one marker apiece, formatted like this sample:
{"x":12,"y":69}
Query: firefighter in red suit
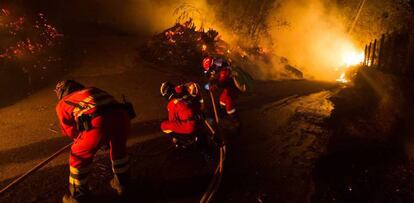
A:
{"x":191,"y":91}
{"x":183,"y":118}
{"x":220,"y":77}
{"x":93,"y":118}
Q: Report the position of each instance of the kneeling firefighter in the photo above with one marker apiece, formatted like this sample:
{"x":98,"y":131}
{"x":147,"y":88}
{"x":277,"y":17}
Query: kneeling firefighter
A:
{"x":191,"y":91}
{"x":184,"y":118}
{"x":93,"y":118}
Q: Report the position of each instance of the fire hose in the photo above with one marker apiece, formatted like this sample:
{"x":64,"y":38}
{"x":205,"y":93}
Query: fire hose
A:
{"x":214,"y":107}
{"x":216,"y":181}
{"x":207,"y":197}
{"x":218,"y":173}
{"x":35,"y":168}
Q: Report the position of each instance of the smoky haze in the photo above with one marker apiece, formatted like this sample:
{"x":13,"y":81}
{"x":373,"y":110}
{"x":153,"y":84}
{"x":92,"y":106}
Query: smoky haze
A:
{"x":311,"y":34}
{"x":313,"y":39}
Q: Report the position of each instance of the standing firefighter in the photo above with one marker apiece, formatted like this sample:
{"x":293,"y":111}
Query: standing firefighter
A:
{"x":184,"y":113}
{"x":219,"y":73}
{"x":93,"y":118}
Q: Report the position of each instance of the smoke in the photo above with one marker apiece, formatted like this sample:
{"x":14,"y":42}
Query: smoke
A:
{"x":306,"y":32}
{"x":150,"y":16}
{"x":313,"y":34}
{"x":157,"y":15}
{"x":129,"y":16}
{"x":310,"y":34}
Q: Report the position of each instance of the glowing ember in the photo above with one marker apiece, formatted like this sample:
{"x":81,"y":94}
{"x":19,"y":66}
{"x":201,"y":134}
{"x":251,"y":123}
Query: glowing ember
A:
{"x":204,"y":48}
{"x":30,"y":44}
{"x":26,"y":37}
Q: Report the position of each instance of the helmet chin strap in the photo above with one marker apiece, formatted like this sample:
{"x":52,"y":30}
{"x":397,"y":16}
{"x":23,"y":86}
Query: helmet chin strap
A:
{"x":171,"y":95}
{"x":61,"y":95}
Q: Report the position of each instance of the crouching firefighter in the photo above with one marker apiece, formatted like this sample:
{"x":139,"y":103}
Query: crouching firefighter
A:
{"x":93,"y":118}
{"x":184,"y":119}
{"x":191,"y":91}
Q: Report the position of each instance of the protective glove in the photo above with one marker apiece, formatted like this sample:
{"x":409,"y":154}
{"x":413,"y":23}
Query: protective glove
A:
{"x":207,"y":86}
{"x":210,"y":87}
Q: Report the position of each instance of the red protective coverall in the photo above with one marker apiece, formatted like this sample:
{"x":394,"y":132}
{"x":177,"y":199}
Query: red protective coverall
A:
{"x":109,"y":127}
{"x":181,"y":117}
{"x":195,"y":102}
{"x":225,"y":81}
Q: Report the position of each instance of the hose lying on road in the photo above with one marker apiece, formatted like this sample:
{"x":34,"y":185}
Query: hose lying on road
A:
{"x":218,"y":174}
{"x":37,"y":167}
{"x":215,"y":182}
{"x":207,"y":197}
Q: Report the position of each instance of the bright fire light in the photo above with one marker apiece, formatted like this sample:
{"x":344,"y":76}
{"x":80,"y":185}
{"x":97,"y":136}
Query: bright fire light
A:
{"x":353,"y":58}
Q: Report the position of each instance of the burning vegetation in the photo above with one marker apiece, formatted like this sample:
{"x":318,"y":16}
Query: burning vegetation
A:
{"x":269,"y":44}
{"x":184,"y":46}
{"x":24,"y":39}
{"x":28,"y":49}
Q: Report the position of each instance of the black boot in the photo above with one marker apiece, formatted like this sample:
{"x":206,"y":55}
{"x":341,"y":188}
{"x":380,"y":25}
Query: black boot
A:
{"x":222,"y":111}
{"x":77,"y":194}
{"x":120,"y":183}
{"x":235,"y":118}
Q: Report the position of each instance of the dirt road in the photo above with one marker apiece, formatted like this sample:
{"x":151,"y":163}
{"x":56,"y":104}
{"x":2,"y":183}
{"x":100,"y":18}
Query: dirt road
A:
{"x":282,"y":134}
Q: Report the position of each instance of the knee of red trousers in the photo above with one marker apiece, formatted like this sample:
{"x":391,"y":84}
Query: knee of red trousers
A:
{"x":224,"y":95}
{"x":227,"y":102}
{"x":165,"y":127}
{"x":230,"y":109}
{"x":224,"y":98}
{"x":80,"y":157}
